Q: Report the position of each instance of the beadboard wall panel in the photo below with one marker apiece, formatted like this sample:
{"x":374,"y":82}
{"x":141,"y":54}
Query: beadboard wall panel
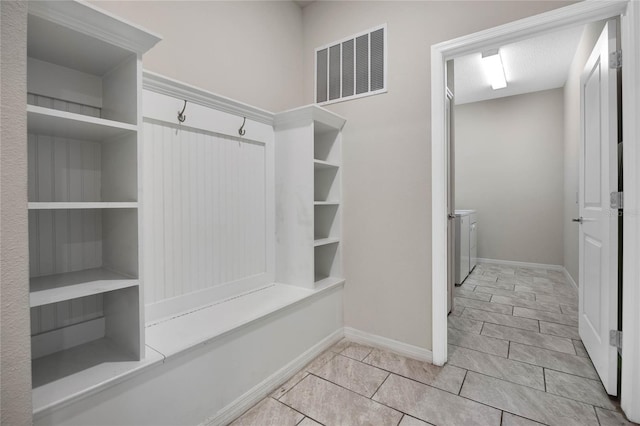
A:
{"x":64,"y":240}
{"x":205,"y":200}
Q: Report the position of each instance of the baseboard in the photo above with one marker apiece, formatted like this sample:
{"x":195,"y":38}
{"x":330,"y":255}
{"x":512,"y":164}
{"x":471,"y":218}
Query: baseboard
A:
{"x":523,"y":264}
{"x":390,"y":344}
{"x":254,"y":395}
{"x":569,"y":278}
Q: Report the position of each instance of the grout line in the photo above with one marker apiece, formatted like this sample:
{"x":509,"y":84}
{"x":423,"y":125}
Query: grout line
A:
{"x":378,"y":388}
{"x":544,"y":378}
{"x":463,"y":380}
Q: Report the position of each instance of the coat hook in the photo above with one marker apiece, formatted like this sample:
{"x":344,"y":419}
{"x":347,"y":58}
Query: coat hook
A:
{"x":181,"y":116}
{"x":241,"y":130}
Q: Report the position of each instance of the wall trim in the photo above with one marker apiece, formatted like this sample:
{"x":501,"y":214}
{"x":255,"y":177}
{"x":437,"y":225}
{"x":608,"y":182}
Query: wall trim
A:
{"x":177,"y":89}
{"x":522,"y":264}
{"x":401,"y":348}
{"x":569,"y":278}
{"x":261,"y":390}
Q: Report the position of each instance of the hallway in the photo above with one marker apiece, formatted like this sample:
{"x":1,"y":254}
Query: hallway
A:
{"x":515,"y":358}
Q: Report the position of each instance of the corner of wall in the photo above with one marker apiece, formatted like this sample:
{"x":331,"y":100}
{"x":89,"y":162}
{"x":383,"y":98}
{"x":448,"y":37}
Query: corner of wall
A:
{"x":15,"y":352}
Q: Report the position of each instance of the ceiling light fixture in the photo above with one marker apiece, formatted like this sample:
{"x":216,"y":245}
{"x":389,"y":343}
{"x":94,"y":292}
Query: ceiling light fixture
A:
{"x":494,"y":69}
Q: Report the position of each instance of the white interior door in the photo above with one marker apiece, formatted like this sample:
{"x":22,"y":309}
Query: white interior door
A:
{"x":598,"y":222}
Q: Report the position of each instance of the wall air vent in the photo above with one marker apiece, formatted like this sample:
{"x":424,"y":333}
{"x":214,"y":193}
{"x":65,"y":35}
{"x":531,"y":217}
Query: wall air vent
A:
{"x":353,"y":67}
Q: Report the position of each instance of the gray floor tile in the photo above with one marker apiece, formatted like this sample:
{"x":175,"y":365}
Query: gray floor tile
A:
{"x":578,"y":388}
{"x":580,"y":349}
{"x":482,"y":277}
{"x":448,"y":378}
{"x":468,"y":287}
{"x":509,"y":419}
{"x":269,"y":412}
{"x":456,"y":310}
{"x":508,"y":293}
{"x":480,"y":343}
{"x":433,"y":405}
{"x":495,"y":318}
{"x":559,"y":330}
{"x":516,"y":301}
{"x":320,"y":361}
{"x":563,"y":300}
{"x":308,"y":422}
{"x":357,"y":351}
{"x":458,"y":292}
{"x":545,"y":316}
{"x":353,"y":375}
{"x":527,"y":402}
{"x":465,"y":324}
{"x":340,"y":346}
{"x":498,"y":367}
{"x":411,"y":421}
{"x":566,"y":363}
{"x":497,"y":284}
{"x":570,"y":310}
{"x":612,"y":418}
{"x":330,"y":404}
{"x":560,"y":344}
{"x":565,"y":293}
{"x":284,"y":388}
{"x":485,"y":306}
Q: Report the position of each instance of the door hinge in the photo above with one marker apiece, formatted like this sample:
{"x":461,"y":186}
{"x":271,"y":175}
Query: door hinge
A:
{"x":615,"y":59}
{"x":615,"y":338}
{"x":617,"y":200}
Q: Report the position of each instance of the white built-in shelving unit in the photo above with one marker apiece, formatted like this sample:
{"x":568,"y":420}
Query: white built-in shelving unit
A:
{"x":308,"y":193}
{"x":84,"y":74}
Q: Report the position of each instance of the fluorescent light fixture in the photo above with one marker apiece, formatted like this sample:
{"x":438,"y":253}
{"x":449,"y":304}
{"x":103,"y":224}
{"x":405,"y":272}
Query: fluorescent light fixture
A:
{"x":494,"y":70}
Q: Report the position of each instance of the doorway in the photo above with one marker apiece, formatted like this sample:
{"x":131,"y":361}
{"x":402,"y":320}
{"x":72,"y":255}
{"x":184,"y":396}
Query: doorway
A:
{"x":545,"y":23}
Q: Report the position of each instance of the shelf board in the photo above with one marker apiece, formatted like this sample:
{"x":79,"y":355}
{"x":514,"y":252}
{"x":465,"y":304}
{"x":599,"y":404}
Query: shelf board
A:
{"x":325,"y":241}
{"x":59,"y":287}
{"x":323,"y":165}
{"x":326,"y":203}
{"x":67,"y":375}
{"x":324,"y":281}
{"x":81,"y":205}
{"x":46,"y":121}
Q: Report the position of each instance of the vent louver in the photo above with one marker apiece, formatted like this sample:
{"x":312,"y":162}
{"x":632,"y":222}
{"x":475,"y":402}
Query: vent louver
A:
{"x":353,"y":67}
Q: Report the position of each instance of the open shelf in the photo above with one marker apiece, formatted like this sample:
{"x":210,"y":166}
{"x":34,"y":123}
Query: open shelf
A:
{"x":325,"y":241}
{"x":69,"y":125}
{"x":81,"y":205}
{"x":72,"y":285}
{"x":326,"y":203}
{"x":67,"y":375}
{"x":323,"y":165}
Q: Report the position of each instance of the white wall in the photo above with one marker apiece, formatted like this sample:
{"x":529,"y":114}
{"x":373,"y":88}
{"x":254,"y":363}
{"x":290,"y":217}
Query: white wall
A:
{"x":571,"y":145}
{"x":15,"y":352}
{"x":386,"y":155}
{"x":247,"y":50}
{"x":509,"y":167}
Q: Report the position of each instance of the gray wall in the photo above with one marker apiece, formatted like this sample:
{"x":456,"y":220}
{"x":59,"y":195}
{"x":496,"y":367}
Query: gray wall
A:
{"x":15,"y":345}
{"x":247,"y":50}
{"x":572,"y":143}
{"x":387,"y":155}
{"x":509,"y":167}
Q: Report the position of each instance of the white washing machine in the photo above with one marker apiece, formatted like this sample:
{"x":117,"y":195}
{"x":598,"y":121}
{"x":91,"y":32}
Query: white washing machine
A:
{"x":466,"y":244}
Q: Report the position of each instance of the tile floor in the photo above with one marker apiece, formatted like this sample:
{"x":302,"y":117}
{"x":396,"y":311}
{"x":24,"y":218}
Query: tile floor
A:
{"x":515,"y":358}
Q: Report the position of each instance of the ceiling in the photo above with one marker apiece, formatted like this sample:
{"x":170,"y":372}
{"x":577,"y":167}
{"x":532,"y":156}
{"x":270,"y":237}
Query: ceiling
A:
{"x":539,"y":63}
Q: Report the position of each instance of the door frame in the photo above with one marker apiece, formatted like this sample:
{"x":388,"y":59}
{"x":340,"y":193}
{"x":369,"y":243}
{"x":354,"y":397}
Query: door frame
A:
{"x":576,"y":14}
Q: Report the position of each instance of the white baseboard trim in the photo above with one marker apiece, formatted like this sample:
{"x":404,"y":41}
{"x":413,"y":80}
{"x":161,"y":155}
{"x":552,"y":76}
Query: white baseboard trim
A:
{"x":569,"y":278}
{"x":261,"y":390}
{"x":390,"y":344}
{"x":523,"y":264}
